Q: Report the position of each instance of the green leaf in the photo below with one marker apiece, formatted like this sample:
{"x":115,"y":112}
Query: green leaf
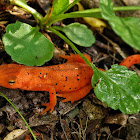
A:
{"x":120,"y":89}
{"x":71,"y":4}
{"x":79,"y":34}
{"x":59,"y":6}
{"x":23,"y":1}
{"x":127,"y":28}
{"x":26,"y":45}
{"x":19,"y":115}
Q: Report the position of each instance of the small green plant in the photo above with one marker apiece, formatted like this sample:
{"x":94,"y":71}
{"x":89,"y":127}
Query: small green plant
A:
{"x":19,"y":115}
{"x":118,"y":87}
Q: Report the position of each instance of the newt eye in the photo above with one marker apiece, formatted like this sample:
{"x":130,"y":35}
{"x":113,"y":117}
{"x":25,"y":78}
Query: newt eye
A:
{"x":11,"y":82}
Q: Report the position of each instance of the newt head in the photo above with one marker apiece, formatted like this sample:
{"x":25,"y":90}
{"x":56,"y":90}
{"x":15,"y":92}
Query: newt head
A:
{"x":8,"y":74}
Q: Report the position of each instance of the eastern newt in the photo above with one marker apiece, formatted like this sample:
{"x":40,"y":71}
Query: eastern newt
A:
{"x":131,"y":60}
{"x":71,"y":80}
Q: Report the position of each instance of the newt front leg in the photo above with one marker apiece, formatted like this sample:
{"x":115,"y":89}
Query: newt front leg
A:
{"x":52,"y":97}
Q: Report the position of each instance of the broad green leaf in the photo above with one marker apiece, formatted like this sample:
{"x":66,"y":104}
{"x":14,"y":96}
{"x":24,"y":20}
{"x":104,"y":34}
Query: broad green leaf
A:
{"x":26,"y":45}
{"x":79,"y":34}
{"x":59,"y":6}
{"x":127,"y":28}
{"x":119,"y":88}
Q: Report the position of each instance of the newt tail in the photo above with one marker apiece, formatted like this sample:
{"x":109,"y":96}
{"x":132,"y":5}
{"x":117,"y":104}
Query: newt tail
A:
{"x":131,"y":60}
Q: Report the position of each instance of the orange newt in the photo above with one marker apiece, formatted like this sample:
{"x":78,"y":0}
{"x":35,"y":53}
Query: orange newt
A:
{"x":71,"y":80}
{"x":131,"y":60}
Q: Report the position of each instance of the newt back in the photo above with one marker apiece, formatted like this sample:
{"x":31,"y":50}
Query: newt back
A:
{"x":64,"y":77}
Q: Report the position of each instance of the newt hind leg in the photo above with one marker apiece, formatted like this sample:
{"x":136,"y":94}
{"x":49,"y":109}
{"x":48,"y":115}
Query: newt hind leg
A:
{"x":75,"y":95}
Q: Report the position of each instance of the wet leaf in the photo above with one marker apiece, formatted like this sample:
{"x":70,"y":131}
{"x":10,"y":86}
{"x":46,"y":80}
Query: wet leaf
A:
{"x":59,"y":6}
{"x":26,"y":45}
{"x":119,"y":88}
{"x":127,"y":28}
{"x":79,"y":34}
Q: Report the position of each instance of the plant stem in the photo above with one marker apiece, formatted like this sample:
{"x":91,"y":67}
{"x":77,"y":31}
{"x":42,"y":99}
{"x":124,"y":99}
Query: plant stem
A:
{"x":126,"y":8}
{"x":71,"y":5}
{"x":78,"y":14}
{"x":70,"y":43}
{"x":20,"y":115}
{"x":88,"y":13}
{"x":38,"y":17}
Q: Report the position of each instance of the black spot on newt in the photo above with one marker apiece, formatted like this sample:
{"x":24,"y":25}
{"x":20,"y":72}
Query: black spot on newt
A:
{"x":39,"y":77}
